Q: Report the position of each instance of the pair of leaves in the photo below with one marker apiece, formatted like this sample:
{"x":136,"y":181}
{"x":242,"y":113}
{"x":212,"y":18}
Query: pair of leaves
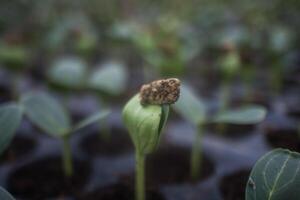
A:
{"x":51,"y":117}
{"x":10,"y":118}
{"x":193,"y":109}
{"x":71,"y":72}
{"x":144,"y":124}
{"x":276,"y":176}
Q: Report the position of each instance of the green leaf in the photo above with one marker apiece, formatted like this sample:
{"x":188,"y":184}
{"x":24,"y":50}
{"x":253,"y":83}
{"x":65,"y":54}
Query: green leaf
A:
{"x":189,"y":106}
{"x":245,"y":115}
{"x":4,"y":195}
{"x":47,"y":114}
{"x":110,"y":78}
{"x":91,"y":119}
{"x":68,"y":72}
{"x":144,"y":124}
{"x":10,"y":118}
{"x":276,"y":176}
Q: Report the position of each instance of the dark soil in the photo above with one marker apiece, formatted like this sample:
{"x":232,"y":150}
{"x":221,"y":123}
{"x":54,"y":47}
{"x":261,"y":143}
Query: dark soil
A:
{"x":171,"y":165}
{"x":283,"y":138}
{"x":120,"y":191}
{"x":233,"y":186}
{"x":43,"y":179}
{"x":18,"y":148}
{"x":118,"y":142}
{"x":230,"y":130}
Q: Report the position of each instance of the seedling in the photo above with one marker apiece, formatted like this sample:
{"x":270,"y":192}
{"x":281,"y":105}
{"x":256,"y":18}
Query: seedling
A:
{"x":229,"y":66}
{"x":50,"y":116}
{"x":275,"y":177}
{"x":144,"y":117}
{"x":194,"y":110}
{"x":15,"y":58}
{"x":162,"y":45}
{"x":71,"y":73}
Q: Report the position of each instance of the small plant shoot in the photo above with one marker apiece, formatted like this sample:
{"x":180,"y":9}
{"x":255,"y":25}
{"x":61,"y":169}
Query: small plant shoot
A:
{"x":145,"y":123}
{"x":276,"y":176}
{"x":50,"y":116}
{"x":193,"y":109}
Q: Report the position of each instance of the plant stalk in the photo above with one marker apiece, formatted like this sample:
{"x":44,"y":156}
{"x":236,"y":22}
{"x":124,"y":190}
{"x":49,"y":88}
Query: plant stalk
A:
{"x":196,"y":156}
{"x":140,"y":177}
{"x":67,"y":157}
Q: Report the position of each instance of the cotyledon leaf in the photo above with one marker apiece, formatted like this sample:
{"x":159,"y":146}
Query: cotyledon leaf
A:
{"x":10,"y":118}
{"x":276,"y":176}
{"x":144,"y":123}
{"x":4,"y":195}
{"x":245,"y":115}
{"x":47,"y":113}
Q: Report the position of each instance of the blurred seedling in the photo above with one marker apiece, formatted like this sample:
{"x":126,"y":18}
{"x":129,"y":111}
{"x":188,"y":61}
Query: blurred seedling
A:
{"x":51,"y":117}
{"x":193,"y":109}
{"x":15,"y":58}
{"x":275,"y":175}
{"x":163,"y":45}
{"x":145,"y":123}
{"x":107,"y":80}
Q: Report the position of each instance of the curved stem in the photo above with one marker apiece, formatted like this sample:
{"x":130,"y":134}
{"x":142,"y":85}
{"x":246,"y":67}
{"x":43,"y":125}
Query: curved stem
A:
{"x":67,"y":157}
{"x":196,"y":157}
{"x":140,"y":177}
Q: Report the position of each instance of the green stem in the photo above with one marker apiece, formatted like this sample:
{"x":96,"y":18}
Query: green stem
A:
{"x":196,"y":157}
{"x":105,"y":128}
{"x":140,"y":177}
{"x":67,"y":157}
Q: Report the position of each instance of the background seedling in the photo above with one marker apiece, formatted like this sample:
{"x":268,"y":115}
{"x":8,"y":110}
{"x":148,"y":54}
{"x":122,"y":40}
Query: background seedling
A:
{"x":144,"y":124}
{"x":194,"y":110}
{"x":275,"y":177}
{"x":49,"y":115}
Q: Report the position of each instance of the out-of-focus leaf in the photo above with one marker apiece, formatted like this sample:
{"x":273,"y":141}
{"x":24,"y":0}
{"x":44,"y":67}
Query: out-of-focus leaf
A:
{"x":13,"y":56}
{"x":47,"y":114}
{"x":110,"y":78}
{"x":4,"y":195}
{"x":245,"y":115}
{"x":189,"y":106}
{"x":68,"y":72}
{"x":276,"y":176}
{"x":10,"y":118}
{"x":91,"y":119}
{"x":144,"y":124}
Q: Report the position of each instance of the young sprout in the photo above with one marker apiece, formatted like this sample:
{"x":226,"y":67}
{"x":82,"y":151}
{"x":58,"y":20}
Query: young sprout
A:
{"x":275,"y":176}
{"x":194,"y":110}
{"x":144,"y":116}
{"x":50,"y":116}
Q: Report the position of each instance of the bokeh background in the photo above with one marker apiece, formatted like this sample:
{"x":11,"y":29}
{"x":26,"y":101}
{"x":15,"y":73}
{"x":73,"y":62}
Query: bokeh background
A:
{"x":95,"y":54}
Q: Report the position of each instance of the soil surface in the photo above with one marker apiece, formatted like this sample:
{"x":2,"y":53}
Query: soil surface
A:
{"x":19,"y":147}
{"x":233,"y":186}
{"x":120,"y":191}
{"x":118,"y":142}
{"x":283,"y":138}
{"x":45,"y":178}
